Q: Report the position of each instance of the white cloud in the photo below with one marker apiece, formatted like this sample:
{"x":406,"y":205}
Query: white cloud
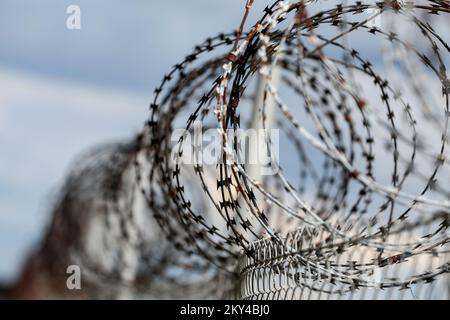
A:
{"x":44,"y":124}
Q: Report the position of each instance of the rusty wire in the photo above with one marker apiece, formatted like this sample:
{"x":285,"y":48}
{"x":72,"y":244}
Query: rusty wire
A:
{"x":352,"y":209}
{"x":358,"y":203}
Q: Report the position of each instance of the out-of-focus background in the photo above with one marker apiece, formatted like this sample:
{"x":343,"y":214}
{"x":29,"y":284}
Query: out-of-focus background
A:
{"x":63,"y":91}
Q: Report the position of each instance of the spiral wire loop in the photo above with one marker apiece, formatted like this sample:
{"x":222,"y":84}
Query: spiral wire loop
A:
{"x":357,"y":201}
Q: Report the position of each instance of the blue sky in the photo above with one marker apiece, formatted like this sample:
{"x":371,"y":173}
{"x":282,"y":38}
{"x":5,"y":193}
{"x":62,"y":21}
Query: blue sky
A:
{"x":64,"y":91}
{"x":126,"y":44}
